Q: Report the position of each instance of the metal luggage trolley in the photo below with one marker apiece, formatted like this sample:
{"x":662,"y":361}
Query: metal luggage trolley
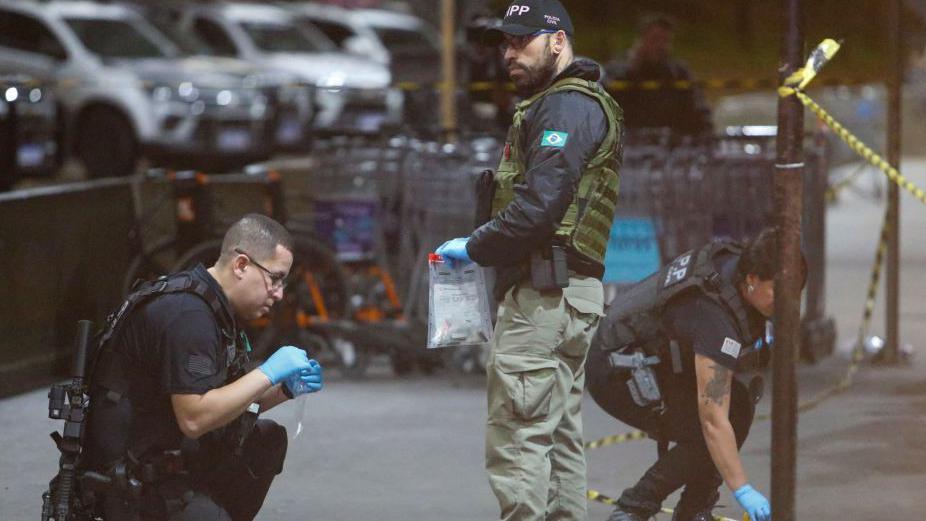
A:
{"x":438,"y":203}
{"x":356,"y":200}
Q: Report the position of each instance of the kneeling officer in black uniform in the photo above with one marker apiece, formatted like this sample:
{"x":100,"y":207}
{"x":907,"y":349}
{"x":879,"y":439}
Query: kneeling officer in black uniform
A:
{"x":174,"y":410}
{"x":663,"y":361}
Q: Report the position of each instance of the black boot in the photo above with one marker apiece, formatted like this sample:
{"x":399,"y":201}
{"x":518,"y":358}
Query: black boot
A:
{"x":624,"y":514}
{"x":689,"y":509}
{"x":704,"y":515}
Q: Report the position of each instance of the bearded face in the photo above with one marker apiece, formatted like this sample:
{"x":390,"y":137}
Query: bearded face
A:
{"x":531,"y":63}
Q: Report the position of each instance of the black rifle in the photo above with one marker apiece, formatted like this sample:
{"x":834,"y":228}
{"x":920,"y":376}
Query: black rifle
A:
{"x":61,"y":502}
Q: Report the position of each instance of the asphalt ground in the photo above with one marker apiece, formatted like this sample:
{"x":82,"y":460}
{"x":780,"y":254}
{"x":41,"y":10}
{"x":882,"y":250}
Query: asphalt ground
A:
{"x":389,"y":449}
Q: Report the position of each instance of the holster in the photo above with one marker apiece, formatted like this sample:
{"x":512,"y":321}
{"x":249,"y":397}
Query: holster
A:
{"x":549,"y":268}
{"x":485,"y":193}
{"x":643,"y":385}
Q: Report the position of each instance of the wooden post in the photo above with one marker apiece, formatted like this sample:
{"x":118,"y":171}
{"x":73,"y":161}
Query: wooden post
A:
{"x":449,"y":84}
{"x":890,"y":353}
{"x":788,"y":192}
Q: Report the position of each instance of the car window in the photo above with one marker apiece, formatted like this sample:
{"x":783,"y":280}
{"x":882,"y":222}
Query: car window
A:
{"x":403,"y":40}
{"x":114,"y":38}
{"x":185,"y":41}
{"x":336,"y":32}
{"x":214,"y":37}
{"x":25,"y":33}
{"x":278,"y":37}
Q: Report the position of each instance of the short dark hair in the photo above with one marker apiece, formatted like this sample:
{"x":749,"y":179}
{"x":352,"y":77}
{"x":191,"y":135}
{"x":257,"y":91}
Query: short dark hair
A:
{"x":760,"y":257}
{"x":655,"y":20}
{"x":256,"y":234}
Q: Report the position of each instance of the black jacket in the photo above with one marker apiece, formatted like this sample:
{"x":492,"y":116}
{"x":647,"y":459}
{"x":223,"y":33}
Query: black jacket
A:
{"x":552,"y":177}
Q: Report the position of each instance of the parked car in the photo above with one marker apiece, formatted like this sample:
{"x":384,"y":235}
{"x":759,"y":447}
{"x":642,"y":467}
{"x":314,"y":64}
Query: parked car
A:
{"x":124,"y":92}
{"x":353,"y":93}
{"x":405,"y":43}
{"x":291,"y":101}
{"x":28,"y":129}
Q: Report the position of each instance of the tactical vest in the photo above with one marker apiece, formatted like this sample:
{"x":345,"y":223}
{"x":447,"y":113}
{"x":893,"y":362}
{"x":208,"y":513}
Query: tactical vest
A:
{"x":638,"y":319}
{"x":108,"y":370}
{"x":586,"y":226}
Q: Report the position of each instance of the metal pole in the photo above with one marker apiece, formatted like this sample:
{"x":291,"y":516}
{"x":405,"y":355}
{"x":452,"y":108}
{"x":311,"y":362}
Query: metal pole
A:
{"x":889,"y":354}
{"x":449,"y":84}
{"x":788,"y":193}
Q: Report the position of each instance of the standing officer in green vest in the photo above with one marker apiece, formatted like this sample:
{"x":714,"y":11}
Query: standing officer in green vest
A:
{"x":552,"y":209}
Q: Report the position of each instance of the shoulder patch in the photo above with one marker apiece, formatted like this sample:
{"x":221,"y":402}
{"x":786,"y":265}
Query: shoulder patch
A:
{"x":553,"y":138}
{"x":731,"y":347}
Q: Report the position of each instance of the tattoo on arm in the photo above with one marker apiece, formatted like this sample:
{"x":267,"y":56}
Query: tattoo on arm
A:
{"x":719,"y":385}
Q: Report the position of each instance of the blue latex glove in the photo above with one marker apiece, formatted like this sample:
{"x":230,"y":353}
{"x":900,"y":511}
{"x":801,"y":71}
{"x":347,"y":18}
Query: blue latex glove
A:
{"x":753,"y":503}
{"x":454,"y":250}
{"x":307,"y":381}
{"x":286,"y":362}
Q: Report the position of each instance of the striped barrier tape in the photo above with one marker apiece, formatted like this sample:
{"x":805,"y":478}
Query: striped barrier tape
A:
{"x":486,"y":86}
{"x":622,"y":85}
{"x":794,"y":86}
{"x":617,"y":438}
{"x":601,"y":498}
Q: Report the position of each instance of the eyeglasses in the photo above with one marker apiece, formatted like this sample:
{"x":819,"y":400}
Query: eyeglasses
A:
{"x":277,"y":280}
{"x":520,"y":42}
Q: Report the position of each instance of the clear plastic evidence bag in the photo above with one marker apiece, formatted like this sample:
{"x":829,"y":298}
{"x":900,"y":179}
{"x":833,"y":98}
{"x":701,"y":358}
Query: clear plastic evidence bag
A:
{"x":458,"y":312}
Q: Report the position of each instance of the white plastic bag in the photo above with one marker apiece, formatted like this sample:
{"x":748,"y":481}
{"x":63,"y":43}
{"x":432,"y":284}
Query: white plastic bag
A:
{"x":458,"y":313}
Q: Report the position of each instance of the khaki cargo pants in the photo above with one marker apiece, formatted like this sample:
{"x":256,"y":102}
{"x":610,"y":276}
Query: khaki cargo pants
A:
{"x":534,"y":446}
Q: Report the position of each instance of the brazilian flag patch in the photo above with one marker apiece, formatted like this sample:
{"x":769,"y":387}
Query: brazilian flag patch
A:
{"x":553,"y":138}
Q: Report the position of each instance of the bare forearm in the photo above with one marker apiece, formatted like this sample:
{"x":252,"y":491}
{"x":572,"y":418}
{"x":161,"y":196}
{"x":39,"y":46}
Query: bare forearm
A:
{"x":272,"y":397}
{"x":714,"y":383}
{"x":721,"y":442}
{"x":199,"y":414}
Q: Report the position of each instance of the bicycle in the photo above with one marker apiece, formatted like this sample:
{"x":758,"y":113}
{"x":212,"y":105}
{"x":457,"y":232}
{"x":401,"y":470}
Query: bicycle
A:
{"x":356,"y":188}
{"x":315,"y":300}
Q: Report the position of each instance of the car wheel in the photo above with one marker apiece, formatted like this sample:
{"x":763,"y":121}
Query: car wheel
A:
{"x":106,"y":143}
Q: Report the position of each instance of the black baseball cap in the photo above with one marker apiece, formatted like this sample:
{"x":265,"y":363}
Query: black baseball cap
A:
{"x":523,"y":17}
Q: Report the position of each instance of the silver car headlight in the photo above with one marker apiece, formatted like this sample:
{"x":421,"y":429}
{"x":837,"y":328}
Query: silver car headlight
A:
{"x":183,"y":92}
{"x":11,"y":94}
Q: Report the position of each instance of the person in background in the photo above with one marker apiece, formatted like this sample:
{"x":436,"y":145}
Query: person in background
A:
{"x":683,"y":110}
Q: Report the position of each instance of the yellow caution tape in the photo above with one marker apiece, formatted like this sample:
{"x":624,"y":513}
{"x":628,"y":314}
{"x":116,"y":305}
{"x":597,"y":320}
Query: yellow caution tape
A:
{"x":615,"y":439}
{"x":748,"y":84}
{"x":799,"y":79}
{"x":648,"y":85}
{"x":594,"y":495}
{"x":818,"y":58}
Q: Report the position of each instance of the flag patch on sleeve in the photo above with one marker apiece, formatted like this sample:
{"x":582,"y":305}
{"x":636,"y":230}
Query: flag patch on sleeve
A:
{"x":553,"y":138}
{"x":199,"y":365}
{"x":731,"y":347}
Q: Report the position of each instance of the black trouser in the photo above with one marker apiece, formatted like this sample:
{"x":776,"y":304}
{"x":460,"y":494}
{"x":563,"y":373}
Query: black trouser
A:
{"x":688,"y":463}
{"x":231,"y":489}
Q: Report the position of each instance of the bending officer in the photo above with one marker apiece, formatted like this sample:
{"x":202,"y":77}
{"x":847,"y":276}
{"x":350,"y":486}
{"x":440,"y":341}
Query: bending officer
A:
{"x":664,"y":360}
